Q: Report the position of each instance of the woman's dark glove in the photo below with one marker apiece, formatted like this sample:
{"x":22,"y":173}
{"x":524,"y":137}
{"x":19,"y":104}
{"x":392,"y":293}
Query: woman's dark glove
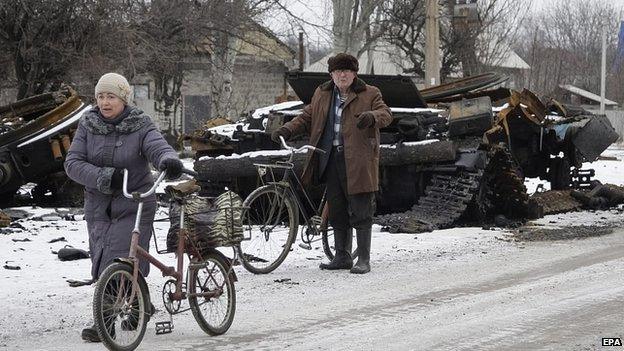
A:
{"x":366,"y":120}
{"x":280,"y":132}
{"x":117,"y":179}
{"x":173,"y":166}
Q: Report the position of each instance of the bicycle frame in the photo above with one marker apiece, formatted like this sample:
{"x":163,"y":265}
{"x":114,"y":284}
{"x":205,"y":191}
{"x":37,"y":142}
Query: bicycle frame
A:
{"x":136,"y":251}
{"x":319,"y":218}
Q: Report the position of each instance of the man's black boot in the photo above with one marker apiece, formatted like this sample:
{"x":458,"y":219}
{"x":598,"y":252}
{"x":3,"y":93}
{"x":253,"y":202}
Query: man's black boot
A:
{"x":364,"y":243}
{"x":342,"y":259}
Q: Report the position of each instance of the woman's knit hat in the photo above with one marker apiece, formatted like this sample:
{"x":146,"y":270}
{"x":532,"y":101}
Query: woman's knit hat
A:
{"x":114,"y":83}
{"x":342,"y":61}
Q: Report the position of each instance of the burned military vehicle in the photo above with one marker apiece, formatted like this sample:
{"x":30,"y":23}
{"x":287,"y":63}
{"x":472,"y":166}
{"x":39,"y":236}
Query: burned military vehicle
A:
{"x":35,"y":134}
{"x":453,"y":152}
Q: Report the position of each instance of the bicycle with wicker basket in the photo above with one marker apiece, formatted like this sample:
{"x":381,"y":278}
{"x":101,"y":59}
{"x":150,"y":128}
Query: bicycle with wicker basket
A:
{"x":272,"y":213}
{"x":121,"y":303}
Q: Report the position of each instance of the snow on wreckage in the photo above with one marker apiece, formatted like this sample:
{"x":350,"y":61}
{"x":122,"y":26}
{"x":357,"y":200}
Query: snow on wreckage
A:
{"x":456,"y":153}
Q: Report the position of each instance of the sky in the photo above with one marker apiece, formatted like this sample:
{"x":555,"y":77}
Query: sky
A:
{"x":319,"y":12}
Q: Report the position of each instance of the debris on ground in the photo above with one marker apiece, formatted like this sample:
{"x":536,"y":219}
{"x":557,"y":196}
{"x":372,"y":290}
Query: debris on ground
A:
{"x":576,"y":232}
{"x":5,"y":220}
{"x":70,"y":253}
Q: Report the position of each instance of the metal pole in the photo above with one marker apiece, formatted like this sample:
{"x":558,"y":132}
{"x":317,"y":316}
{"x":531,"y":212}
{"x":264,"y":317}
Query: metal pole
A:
{"x":603,"y":70}
{"x":301,"y":53}
{"x":432,"y":44}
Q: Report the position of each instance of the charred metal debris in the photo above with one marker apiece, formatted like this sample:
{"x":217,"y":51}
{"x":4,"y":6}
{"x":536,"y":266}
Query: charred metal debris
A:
{"x":455,"y":154}
{"x":35,"y":135}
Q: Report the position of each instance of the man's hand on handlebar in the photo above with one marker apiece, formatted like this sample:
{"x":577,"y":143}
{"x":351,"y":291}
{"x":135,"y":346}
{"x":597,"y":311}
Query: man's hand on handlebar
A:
{"x":280,"y":132}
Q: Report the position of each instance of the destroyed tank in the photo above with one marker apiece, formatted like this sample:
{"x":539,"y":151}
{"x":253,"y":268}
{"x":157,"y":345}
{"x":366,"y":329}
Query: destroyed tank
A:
{"x":35,"y":135}
{"x":453,"y":153}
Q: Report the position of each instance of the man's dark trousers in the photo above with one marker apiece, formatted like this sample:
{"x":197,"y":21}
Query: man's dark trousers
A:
{"x":347,"y":211}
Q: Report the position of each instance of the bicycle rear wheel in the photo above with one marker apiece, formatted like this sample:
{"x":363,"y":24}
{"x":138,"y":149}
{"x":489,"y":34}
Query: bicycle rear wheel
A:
{"x":119,"y":322}
{"x":270,"y":225}
{"x":214,"y":312}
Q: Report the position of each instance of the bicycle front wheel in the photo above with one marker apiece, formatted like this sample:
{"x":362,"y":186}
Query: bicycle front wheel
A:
{"x":120,"y":320}
{"x":212,"y":295}
{"x":270,"y":225}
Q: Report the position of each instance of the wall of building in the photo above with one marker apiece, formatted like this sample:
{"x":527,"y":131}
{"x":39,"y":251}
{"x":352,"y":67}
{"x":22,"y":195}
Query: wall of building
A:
{"x":257,"y":82}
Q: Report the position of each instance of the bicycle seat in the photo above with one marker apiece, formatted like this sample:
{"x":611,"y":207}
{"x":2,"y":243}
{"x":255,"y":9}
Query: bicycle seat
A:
{"x":179,"y":191}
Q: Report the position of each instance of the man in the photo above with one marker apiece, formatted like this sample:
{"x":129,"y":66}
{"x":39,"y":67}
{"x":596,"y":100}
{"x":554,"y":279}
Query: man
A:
{"x":343,"y":119}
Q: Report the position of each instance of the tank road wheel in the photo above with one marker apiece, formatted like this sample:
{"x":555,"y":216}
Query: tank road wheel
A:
{"x":269,"y":228}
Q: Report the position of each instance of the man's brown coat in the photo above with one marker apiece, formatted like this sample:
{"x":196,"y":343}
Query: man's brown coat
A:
{"x":361,"y":146}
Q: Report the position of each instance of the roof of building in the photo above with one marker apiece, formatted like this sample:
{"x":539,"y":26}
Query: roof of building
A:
{"x":509,"y":59}
{"x":382,"y":63}
{"x":586,"y":94}
{"x":387,"y":59}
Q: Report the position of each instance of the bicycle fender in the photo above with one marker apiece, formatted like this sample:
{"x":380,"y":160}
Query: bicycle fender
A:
{"x":127,"y":261}
{"x":124,"y":260}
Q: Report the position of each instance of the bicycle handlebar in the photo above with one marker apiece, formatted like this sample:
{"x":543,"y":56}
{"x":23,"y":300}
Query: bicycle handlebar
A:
{"x":137,"y":195}
{"x":304,"y":147}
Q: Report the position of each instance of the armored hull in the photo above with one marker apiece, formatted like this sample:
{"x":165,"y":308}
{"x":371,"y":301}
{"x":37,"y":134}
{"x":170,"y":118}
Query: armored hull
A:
{"x":464,"y":159}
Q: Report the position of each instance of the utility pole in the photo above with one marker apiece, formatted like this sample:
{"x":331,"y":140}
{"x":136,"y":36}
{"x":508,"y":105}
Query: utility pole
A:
{"x":432,"y":44}
{"x":301,"y":52}
{"x":603,"y":69}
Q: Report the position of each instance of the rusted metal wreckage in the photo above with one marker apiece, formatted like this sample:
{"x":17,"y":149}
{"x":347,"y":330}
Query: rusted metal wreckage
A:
{"x":455,"y":153}
{"x":35,"y":134}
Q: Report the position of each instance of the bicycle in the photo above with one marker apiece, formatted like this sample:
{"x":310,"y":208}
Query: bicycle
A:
{"x":271,"y":217}
{"x":121,"y":303}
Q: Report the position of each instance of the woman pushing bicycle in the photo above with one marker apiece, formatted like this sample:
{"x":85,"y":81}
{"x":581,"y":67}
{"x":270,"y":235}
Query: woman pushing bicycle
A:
{"x":343,"y":120}
{"x":114,"y":135}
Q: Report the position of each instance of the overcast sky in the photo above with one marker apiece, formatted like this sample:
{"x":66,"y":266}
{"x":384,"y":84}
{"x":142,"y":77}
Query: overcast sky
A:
{"x":318,"y":12}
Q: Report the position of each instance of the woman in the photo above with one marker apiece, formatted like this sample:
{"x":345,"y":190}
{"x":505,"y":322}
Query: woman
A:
{"x":110,"y":137}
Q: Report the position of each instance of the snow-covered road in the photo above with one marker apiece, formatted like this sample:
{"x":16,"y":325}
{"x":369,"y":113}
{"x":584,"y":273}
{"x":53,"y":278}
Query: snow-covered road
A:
{"x":464,"y":288}
{"x":461,"y":288}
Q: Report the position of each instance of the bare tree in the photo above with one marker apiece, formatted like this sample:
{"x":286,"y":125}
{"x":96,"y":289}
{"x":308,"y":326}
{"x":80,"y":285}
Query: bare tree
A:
{"x":357,"y":25}
{"x":46,"y":39}
{"x":470,"y":44}
{"x":563,"y":45}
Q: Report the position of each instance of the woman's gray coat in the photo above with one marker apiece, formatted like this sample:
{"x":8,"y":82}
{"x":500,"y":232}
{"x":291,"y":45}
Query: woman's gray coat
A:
{"x":96,"y":150}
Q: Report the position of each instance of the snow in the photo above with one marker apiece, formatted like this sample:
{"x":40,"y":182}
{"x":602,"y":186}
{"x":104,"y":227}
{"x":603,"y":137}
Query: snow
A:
{"x":41,"y":312}
{"x":281,"y":106}
{"x":414,"y":109}
{"x":250,"y":154}
{"x":410,"y":143}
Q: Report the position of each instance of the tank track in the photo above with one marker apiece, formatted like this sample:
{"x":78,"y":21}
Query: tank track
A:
{"x":506,"y":194}
{"x":476,"y":195}
{"x":446,"y":198}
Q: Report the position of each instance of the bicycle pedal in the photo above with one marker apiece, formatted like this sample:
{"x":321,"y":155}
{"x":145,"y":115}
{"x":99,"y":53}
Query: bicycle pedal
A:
{"x":164,"y":328}
{"x":305,"y":246}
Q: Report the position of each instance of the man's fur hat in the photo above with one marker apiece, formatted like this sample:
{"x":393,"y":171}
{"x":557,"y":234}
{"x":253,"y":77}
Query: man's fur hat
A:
{"x":342,"y":61}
